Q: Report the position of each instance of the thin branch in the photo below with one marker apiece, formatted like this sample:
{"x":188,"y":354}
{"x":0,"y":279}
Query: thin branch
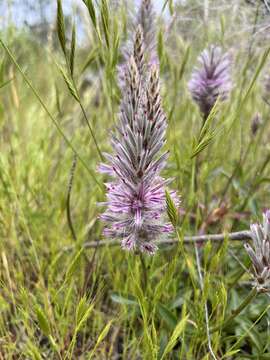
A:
{"x":235,"y":236}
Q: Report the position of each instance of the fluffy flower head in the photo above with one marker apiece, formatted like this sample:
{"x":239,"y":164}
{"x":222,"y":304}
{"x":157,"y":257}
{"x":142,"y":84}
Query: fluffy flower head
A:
{"x":136,"y":204}
{"x":259,"y":253}
{"x":211,"y":80}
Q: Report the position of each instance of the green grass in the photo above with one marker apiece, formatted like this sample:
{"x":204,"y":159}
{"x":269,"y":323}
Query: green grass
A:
{"x":59,"y":300}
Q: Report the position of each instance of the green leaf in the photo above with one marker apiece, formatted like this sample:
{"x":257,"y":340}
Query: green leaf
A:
{"x":83,"y":312}
{"x":71,"y":87}
{"x":81,"y":309}
{"x":180,"y":327}
{"x":207,"y":134}
{"x":103,"y":333}
{"x":72,"y":49}
{"x":92,"y":57}
{"x":61,"y":27}
{"x":57,"y":99}
{"x":230,"y":354}
{"x":115,"y":50}
{"x":105,"y":21}
{"x":166,"y":315}
{"x":123,"y":300}
{"x":5,"y":83}
{"x":42,"y":321}
{"x":160,"y":45}
{"x":184,"y":62}
{"x":101,"y":337}
{"x":74,"y":265}
{"x":33,"y":351}
{"x":170,"y":3}
{"x":91,"y":9}
{"x":171,"y":210}
{"x":180,"y":300}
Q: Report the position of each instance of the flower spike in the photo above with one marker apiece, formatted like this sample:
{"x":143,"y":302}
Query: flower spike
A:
{"x":136,"y":201}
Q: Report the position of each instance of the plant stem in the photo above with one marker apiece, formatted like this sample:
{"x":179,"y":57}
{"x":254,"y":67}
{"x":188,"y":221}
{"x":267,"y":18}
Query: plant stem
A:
{"x":70,"y":183}
{"x":90,"y":129}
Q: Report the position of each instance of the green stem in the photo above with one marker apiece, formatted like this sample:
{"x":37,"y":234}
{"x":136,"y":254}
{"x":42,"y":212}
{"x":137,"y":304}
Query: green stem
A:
{"x":82,"y":107}
{"x":70,"y":184}
{"x":253,"y":293}
{"x":91,"y":130}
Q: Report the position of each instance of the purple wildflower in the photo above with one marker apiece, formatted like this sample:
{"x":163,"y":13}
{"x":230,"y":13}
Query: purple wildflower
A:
{"x":260,"y":252}
{"x":212,"y":80}
{"x":136,"y":203}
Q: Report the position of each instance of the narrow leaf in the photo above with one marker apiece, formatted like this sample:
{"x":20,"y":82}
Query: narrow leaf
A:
{"x":5,"y":83}
{"x":74,"y":265}
{"x":72,"y":49}
{"x":91,"y":9}
{"x":84,"y":316}
{"x":61,"y":26}
{"x":71,"y":87}
{"x":105,"y":21}
{"x":171,"y":210}
{"x":42,"y":321}
{"x":207,"y":134}
{"x":167,"y":316}
{"x":101,"y":337}
{"x":180,"y":327}
{"x":123,"y":300}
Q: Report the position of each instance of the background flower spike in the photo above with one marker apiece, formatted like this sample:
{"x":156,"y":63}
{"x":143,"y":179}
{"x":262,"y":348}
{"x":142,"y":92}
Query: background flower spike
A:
{"x":211,"y":80}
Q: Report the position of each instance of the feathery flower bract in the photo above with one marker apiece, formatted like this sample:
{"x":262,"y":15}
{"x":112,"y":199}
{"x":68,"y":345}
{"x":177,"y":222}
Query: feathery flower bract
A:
{"x":145,"y":21}
{"x":211,"y":80}
{"x":146,"y":18}
{"x":136,"y":202}
{"x":260,"y":252}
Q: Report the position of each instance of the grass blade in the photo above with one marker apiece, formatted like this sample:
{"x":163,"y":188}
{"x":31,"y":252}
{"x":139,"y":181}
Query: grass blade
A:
{"x":61,"y":27}
{"x":72,"y":49}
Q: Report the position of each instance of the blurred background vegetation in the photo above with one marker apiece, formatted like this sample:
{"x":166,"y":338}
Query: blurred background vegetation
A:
{"x":60,"y":300}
